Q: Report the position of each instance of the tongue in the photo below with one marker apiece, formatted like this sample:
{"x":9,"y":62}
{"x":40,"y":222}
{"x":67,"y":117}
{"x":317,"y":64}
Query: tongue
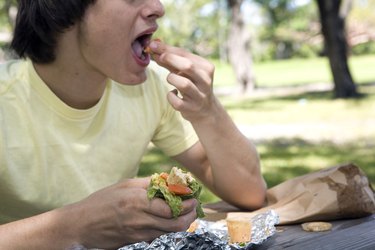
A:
{"x":137,"y":48}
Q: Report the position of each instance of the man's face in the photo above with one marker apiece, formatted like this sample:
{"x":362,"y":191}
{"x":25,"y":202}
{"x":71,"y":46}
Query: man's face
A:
{"x":112,"y":36}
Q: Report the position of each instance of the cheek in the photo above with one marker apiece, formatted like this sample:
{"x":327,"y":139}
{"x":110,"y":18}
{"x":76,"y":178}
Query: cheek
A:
{"x":103,"y":46}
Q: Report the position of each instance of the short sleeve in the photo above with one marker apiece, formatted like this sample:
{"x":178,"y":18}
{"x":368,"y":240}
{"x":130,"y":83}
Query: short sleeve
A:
{"x":174,"y":134}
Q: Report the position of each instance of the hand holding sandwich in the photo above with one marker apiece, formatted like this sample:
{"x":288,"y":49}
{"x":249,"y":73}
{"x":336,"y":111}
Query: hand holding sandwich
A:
{"x":123,"y":214}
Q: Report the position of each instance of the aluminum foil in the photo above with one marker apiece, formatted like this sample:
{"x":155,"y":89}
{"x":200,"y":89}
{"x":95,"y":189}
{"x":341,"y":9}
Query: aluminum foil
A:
{"x":212,"y":236}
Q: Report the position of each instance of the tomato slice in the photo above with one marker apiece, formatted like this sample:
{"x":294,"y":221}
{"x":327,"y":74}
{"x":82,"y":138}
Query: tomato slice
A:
{"x":179,"y":189}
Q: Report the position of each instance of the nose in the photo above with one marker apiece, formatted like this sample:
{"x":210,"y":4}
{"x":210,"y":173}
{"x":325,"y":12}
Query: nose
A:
{"x":153,"y":9}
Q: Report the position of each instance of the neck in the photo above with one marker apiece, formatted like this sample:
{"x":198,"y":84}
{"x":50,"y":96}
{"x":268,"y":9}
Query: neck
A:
{"x":70,"y":77}
{"x":75,"y":88}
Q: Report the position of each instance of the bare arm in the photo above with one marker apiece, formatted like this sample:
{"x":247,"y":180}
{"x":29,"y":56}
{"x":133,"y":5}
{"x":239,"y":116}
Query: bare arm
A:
{"x":229,"y":165}
{"x":110,"y":218}
{"x":224,"y":159}
{"x":45,"y":231}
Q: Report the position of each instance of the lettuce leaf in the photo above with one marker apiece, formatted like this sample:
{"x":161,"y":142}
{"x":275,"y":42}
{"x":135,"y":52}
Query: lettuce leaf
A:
{"x":158,"y":188}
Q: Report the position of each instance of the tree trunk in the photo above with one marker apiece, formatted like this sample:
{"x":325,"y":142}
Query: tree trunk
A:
{"x":238,"y":47}
{"x":333,"y":29}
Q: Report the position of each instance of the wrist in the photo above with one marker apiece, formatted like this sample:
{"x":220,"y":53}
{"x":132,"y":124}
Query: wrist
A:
{"x":49,"y":230}
{"x":68,"y":228}
{"x":211,"y":115}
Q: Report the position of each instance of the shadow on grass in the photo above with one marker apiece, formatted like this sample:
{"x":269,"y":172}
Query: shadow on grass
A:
{"x":155,"y":161}
{"x":366,"y":90}
{"x":283,"y":159}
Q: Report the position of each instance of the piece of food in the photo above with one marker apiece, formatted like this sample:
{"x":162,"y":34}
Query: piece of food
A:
{"x":239,"y":230}
{"x":316,"y":226}
{"x":193,"y":226}
{"x":148,"y":50}
{"x":174,"y":188}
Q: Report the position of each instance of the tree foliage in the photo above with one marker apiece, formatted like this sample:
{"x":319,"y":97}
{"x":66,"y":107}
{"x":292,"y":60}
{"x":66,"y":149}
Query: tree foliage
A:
{"x":361,"y":27}
{"x":195,"y":25}
{"x":7,"y":12}
{"x":290,"y":30}
{"x":287,"y":29}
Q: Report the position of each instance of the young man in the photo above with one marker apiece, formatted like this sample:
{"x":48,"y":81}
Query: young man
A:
{"x":77,"y":114}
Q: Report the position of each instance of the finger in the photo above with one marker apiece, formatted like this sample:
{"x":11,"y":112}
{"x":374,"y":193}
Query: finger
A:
{"x":176,"y":102}
{"x":159,"y":207}
{"x":188,"y":206}
{"x":174,"y":63}
{"x":185,"y":103}
{"x":187,"y":68}
{"x":181,"y":223}
{"x":183,"y":63}
{"x":159,"y":49}
{"x":184,"y":85}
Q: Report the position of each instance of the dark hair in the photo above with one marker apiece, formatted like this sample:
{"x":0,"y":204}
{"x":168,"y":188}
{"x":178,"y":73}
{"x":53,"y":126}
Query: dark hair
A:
{"x":38,"y":24}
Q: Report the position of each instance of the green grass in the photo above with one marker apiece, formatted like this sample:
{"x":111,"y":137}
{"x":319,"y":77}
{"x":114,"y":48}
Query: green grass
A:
{"x":297,"y":71}
{"x":306,"y":107}
{"x":283,"y":157}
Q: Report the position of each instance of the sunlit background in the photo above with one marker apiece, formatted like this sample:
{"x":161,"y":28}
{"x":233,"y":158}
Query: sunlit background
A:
{"x":290,"y":112}
{"x":291,"y":115}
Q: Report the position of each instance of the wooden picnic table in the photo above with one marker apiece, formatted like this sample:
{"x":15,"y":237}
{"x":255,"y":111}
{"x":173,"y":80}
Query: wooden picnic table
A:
{"x":350,"y":234}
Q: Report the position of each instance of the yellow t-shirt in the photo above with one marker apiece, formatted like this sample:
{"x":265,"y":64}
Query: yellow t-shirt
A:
{"x":52,"y":154}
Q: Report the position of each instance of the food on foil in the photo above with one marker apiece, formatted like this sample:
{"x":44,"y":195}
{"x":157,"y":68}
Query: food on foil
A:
{"x":316,"y":226}
{"x":239,"y":230}
{"x":210,"y":235}
{"x":193,"y":226}
{"x":175,"y":187}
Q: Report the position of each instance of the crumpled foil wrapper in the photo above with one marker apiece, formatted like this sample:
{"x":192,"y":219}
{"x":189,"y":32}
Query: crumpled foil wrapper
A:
{"x":212,"y":236}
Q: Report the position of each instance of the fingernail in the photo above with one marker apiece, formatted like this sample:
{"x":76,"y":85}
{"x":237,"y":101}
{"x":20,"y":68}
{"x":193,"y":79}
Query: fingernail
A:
{"x":153,"y":45}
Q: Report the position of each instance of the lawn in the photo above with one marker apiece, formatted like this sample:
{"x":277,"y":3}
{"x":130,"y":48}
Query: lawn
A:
{"x":297,"y":71}
{"x":299,"y":133}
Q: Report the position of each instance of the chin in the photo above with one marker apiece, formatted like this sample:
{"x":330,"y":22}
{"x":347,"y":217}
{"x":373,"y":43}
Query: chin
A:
{"x":132,"y":79}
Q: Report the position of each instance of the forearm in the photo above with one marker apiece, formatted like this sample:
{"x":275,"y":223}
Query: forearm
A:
{"x":233,"y":160}
{"x":50,"y":230}
{"x":228,"y":163}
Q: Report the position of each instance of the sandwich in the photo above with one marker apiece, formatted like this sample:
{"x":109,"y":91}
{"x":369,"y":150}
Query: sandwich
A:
{"x":175,"y":187}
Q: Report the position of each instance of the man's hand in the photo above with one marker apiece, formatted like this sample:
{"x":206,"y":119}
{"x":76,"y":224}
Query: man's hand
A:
{"x":192,"y":76}
{"x":108,"y":219}
{"x":122,"y":214}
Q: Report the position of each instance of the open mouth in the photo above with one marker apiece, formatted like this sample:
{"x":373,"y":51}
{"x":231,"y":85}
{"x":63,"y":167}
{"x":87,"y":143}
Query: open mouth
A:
{"x":139,"y":45}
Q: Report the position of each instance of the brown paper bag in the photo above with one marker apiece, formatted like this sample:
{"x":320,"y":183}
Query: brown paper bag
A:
{"x":334,"y":193}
